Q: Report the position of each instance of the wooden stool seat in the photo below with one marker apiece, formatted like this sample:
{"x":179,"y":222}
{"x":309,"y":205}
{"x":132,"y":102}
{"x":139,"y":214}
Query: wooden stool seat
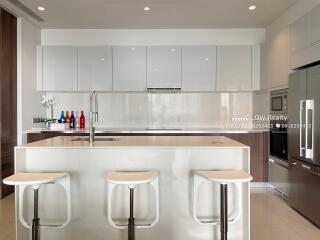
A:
{"x":33,"y":178}
{"x":226,"y":176}
{"x":131,"y":178}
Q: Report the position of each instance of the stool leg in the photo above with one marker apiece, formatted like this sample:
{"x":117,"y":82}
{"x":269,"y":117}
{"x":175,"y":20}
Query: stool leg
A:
{"x":224,"y":211}
{"x":131,"y":225}
{"x":36,"y":219}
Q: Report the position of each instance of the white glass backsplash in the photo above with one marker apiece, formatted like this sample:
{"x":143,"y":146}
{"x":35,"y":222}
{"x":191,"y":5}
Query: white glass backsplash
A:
{"x":135,"y":110}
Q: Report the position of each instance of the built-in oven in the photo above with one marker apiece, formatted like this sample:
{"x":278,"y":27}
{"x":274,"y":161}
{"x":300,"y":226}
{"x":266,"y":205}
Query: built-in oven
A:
{"x":279,"y":138}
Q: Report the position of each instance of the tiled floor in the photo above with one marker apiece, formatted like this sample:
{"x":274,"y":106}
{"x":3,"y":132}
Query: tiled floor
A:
{"x":7,"y":222}
{"x":271,"y":219}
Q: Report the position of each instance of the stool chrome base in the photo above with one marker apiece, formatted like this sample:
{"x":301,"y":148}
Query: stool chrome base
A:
{"x":36,"y":219}
{"x":224,"y":211}
{"x":131,"y":224}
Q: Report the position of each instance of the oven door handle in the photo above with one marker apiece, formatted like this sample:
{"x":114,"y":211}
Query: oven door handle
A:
{"x":301,"y":124}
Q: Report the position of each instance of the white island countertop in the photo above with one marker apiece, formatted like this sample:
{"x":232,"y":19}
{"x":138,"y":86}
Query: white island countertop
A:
{"x":138,"y":142}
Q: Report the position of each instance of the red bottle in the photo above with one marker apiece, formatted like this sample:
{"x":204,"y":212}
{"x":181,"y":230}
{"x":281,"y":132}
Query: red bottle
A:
{"x":67,"y":117}
{"x":82,"y":121}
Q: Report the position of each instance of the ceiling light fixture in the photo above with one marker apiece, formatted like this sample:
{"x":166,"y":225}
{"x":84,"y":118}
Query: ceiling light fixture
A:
{"x":252,"y":7}
{"x":146,"y":8}
{"x":40,"y":8}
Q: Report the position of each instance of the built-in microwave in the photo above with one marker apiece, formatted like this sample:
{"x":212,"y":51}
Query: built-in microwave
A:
{"x":279,"y":102}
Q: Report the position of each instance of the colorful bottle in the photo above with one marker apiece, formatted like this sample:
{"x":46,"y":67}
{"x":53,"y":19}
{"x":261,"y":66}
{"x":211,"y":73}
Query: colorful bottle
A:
{"x":82,"y":121}
{"x":72,"y":121}
{"x":61,"y":119}
{"x":67,"y":118}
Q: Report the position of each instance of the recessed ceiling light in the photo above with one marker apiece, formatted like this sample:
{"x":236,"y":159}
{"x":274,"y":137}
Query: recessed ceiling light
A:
{"x":252,"y":7}
{"x":146,"y":8}
{"x":40,"y":8}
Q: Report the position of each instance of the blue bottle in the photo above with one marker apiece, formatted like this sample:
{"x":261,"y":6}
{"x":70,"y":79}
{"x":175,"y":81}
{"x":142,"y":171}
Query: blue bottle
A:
{"x":62,"y":120}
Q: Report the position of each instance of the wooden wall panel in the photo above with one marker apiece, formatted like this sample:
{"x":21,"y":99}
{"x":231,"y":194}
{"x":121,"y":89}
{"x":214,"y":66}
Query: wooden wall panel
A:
{"x":8,"y":95}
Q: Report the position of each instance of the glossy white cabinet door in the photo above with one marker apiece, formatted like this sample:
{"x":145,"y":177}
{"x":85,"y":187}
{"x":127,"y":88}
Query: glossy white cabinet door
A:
{"x":315,"y":25}
{"x":234,"y":68}
{"x":59,"y":68}
{"x":256,"y":68}
{"x":129,"y":68}
{"x":94,"y":68}
{"x":278,"y":60}
{"x":199,"y":64}
{"x":299,"y":34}
{"x":164,"y":67}
{"x":264,"y":82}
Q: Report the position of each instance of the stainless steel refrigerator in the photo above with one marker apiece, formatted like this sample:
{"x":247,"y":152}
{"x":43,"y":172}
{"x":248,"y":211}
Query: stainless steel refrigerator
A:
{"x":304,"y":142}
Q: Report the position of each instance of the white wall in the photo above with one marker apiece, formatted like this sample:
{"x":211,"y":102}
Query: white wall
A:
{"x":134,"y":110}
{"x":152,"y":36}
{"x":29,"y":100}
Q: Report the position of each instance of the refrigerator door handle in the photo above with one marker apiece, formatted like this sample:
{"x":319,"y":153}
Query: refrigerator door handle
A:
{"x":301,"y":124}
{"x":309,"y":128}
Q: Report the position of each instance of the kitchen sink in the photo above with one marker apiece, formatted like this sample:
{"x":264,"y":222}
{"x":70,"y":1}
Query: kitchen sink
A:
{"x":96,"y":139}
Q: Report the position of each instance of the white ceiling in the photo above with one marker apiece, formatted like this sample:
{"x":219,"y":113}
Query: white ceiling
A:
{"x":163,"y":14}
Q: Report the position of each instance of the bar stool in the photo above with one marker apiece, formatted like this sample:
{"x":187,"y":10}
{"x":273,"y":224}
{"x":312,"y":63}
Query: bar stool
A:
{"x":132,"y":179}
{"x":35,"y":180}
{"x":224,"y":178}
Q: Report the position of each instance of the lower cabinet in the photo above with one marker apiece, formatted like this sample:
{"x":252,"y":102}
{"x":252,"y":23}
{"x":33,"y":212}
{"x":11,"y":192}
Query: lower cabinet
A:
{"x":258,"y":143}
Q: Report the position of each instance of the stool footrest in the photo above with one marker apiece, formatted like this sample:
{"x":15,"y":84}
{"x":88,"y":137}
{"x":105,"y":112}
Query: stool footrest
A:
{"x":153,"y":182}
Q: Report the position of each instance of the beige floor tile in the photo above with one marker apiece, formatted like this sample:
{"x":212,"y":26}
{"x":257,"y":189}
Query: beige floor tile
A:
{"x":7,"y":219}
{"x":307,"y":231}
{"x":273,"y":232}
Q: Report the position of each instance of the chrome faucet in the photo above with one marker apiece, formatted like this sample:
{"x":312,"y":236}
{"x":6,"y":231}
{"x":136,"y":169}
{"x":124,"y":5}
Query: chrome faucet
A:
{"x":94,"y":115}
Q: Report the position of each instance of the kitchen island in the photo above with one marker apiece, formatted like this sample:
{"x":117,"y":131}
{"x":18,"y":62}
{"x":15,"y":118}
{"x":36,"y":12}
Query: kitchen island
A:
{"x":174,"y":158}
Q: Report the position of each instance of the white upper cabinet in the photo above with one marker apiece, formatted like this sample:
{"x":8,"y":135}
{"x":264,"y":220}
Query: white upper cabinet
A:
{"x":59,"y":66}
{"x":264,"y":82}
{"x":137,"y":68}
{"x":278,"y":59}
{"x":199,"y":64}
{"x":315,"y":25}
{"x":234,"y":68}
{"x":256,"y":68}
{"x":305,"y":39}
{"x":94,"y":68}
{"x":299,"y":34}
{"x":129,"y":69}
{"x":164,"y":67}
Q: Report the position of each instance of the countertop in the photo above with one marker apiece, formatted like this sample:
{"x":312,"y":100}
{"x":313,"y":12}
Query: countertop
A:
{"x":151,"y":130}
{"x":138,"y":142}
